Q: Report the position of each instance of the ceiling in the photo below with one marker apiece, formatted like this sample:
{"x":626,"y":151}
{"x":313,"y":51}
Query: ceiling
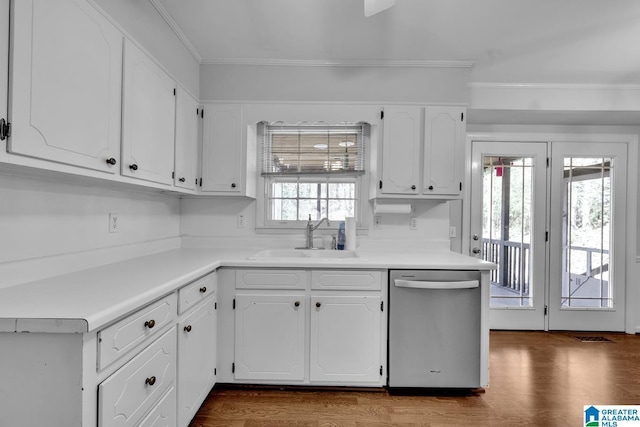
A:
{"x":502,"y":41}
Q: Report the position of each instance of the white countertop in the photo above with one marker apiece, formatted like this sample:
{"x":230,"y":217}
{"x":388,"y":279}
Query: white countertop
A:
{"x":86,"y":300}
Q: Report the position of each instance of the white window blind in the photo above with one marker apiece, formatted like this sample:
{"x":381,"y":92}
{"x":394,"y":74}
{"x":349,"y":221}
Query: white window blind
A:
{"x":313,"y":149}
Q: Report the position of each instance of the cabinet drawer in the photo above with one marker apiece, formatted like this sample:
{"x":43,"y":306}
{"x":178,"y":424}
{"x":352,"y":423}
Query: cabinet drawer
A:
{"x":127,"y":395}
{"x":164,"y":412}
{"x":271,"y":279}
{"x":195,"y":292}
{"x":346,"y":279}
{"x":119,"y":338}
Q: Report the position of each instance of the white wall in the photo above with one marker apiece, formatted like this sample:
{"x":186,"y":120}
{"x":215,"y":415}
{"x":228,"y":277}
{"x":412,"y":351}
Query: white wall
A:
{"x":333,"y":84}
{"x":217,"y":218}
{"x":41,"y":219}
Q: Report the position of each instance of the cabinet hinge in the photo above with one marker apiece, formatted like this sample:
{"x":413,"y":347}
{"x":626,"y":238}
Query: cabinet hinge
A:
{"x":462,"y":117}
{"x":382,"y":115}
{"x":233,"y":368}
{"x":5,"y":129}
{"x":234,"y":303}
{"x":380,"y":185}
{"x":546,"y":310}
{"x":381,"y":305}
{"x":380,"y":369}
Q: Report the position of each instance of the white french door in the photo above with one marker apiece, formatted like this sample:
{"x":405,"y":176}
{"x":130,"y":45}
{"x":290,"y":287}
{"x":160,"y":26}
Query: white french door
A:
{"x":557,"y":233}
{"x":508,"y":227}
{"x":587,"y":226}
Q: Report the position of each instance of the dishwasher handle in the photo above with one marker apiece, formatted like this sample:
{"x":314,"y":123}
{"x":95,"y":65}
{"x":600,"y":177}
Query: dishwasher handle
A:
{"x":427,"y":284}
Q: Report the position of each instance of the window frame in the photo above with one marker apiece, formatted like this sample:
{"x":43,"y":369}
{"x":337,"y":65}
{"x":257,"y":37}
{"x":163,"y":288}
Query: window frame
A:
{"x":264,"y":224}
{"x":310,"y":179}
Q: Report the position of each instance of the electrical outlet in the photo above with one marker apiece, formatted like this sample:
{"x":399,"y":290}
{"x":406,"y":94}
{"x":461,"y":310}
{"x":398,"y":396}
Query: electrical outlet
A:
{"x":114,"y":222}
{"x":413,"y":223}
{"x":377,"y":220}
{"x":452,"y":231}
{"x":240,"y":221}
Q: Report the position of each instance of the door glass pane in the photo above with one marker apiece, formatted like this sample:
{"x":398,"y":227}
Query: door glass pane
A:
{"x":507,"y":226}
{"x":586,"y":233}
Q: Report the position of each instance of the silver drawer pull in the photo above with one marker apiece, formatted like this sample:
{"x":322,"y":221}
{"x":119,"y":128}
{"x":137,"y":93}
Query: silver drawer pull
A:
{"x":150,"y":381}
{"x":428,"y":284}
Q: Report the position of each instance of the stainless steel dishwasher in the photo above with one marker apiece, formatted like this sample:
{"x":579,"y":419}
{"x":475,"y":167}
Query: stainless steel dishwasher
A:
{"x":434,"y":329}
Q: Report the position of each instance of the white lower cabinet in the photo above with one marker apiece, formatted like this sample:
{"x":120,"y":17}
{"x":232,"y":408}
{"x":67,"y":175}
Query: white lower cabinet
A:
{"x":196,"y":359}
{"x":128,"y":394}
{"x":309,"y":336}
{"x":345,"y":344}
{"x":270,"y":331}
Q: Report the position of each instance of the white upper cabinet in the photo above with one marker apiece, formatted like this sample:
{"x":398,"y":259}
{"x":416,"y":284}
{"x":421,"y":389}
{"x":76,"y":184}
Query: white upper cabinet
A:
{"x":65,"y":84}
{"x":401,"y":148}
{"x":422,"y":153}
{"x":186,"y":155}
{"x":148,"y":118}
{"x":444,"y":136}
{"x":228,"y":159}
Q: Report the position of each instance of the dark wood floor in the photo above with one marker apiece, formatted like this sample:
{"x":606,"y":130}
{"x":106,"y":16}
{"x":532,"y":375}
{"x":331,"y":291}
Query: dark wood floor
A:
{"x":536,"y":378}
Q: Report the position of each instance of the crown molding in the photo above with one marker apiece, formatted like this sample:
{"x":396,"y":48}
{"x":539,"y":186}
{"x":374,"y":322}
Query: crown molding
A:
{"x":176,"y":29}
{"x":336,"y":63}
{"x":555,"y":86}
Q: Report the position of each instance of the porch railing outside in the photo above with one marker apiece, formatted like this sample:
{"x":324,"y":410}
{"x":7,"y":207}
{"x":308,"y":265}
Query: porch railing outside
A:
{"x":513,"y":271}
{"x":512,"y":259}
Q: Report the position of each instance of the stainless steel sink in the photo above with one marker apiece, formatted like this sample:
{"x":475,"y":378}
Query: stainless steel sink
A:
{"x":303,"y":253}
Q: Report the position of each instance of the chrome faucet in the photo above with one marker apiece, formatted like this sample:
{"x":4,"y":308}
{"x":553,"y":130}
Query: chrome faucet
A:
{"x":310,"y":229}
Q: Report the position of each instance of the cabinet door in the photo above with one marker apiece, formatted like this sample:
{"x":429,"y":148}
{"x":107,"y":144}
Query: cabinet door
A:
{"x":127,"y":395}
{"x":196,"y":359}
{"x":444,"y":137}
{"x":187,"y":122}
{"x":401,"y":145}
{"x":65,"y":84}
{"x":148,"y":118}
{"x":163,"y":414}
{"x":345,"y":339}
{"x":270,"y":337}
{"x":223,"y":163}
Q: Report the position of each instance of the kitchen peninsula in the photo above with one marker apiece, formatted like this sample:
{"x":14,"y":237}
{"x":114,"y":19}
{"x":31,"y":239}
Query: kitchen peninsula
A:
{"x":73,"y":342}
